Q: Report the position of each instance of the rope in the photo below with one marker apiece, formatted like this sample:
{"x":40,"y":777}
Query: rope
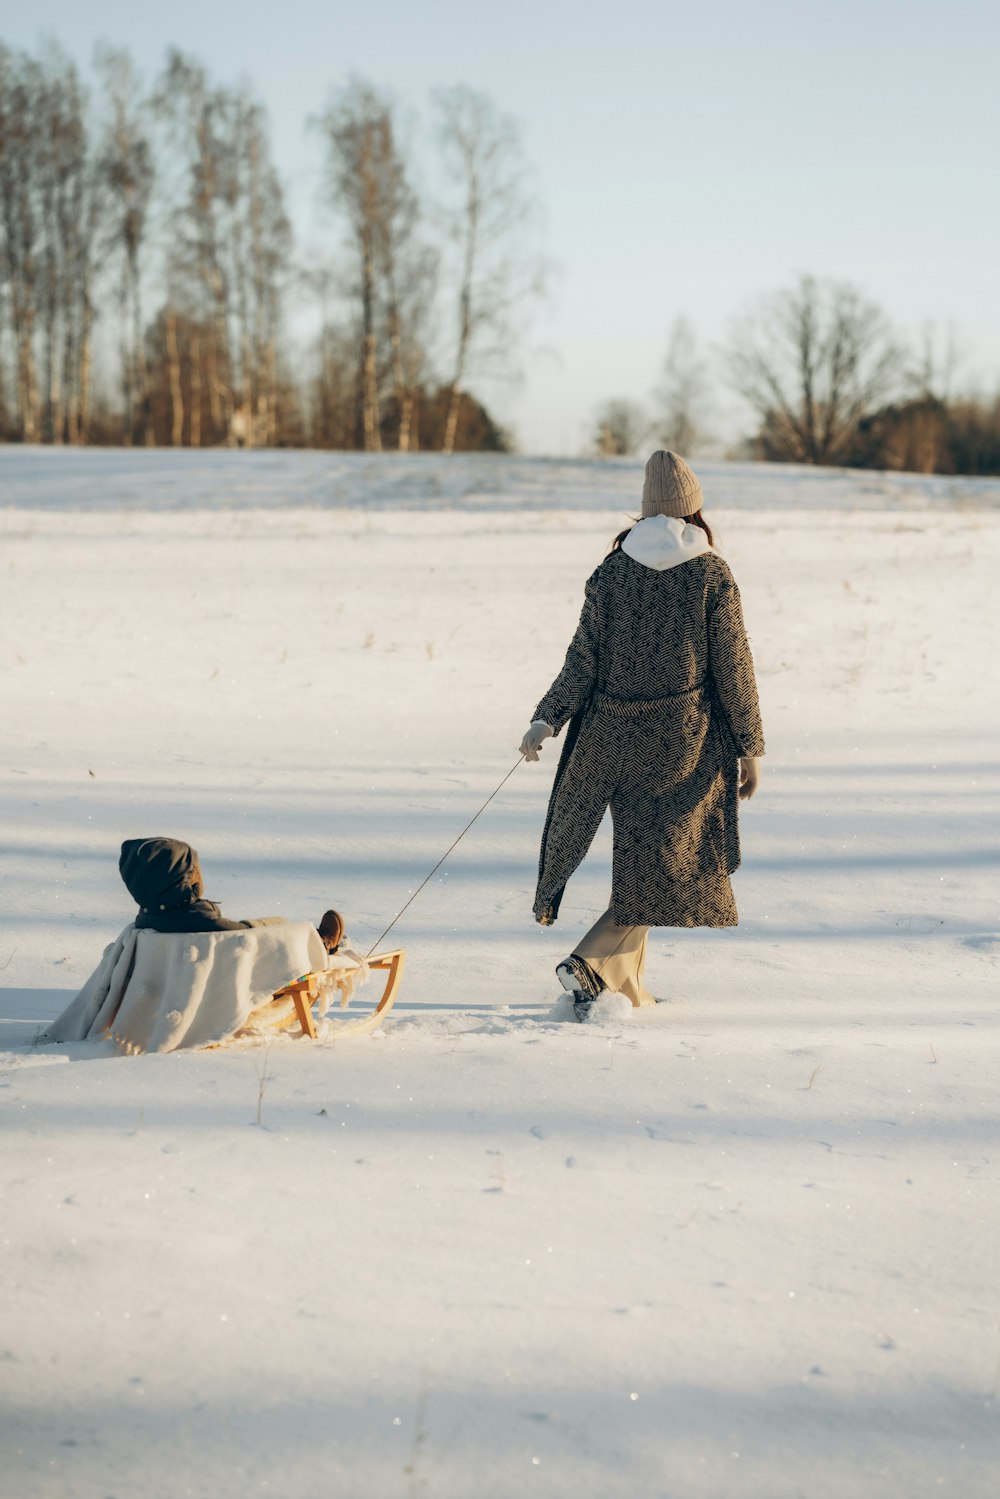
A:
{"x":444,"y":856}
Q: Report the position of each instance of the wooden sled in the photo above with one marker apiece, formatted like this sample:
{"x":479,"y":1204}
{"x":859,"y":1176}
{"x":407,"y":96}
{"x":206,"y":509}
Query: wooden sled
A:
{"x":304,"y":992}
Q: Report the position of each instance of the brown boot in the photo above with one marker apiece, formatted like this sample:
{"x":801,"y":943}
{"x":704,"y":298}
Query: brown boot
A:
{"x":331,"y":929}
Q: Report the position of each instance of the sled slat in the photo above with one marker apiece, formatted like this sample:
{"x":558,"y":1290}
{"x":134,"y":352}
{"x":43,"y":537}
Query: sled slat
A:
{"x":304,"y":991}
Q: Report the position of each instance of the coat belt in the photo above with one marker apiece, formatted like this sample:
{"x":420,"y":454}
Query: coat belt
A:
{"x":638,"y":707}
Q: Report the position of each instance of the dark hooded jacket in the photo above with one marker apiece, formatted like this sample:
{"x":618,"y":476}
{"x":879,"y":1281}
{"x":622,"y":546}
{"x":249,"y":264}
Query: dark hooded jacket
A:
{"x":161,"y":876}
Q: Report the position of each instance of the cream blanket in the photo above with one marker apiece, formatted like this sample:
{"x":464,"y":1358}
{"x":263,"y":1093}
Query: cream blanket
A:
{"x":160,"y":991}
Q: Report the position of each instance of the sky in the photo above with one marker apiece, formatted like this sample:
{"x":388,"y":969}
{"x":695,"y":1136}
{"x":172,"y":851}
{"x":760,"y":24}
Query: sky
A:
{"x":688,"y":159}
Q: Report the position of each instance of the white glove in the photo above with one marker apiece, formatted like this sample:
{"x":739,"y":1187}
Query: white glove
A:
{"x":534,"y":739}
{"x":749,"y":776}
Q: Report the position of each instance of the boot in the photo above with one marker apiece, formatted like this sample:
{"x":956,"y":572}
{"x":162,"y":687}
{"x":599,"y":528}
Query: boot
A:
{"x":579,"y":979}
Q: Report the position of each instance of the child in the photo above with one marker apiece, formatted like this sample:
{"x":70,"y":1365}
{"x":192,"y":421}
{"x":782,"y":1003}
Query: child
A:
{"x":163,"y":877}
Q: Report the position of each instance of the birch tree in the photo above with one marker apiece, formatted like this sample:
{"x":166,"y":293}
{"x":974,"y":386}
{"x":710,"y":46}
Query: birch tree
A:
{"x":367,"y":181}
{"x":490,"y":210}
{"x":413,"y":291}
{"x":259,"y":236}
{"x":20,"y":88}
{"x":49,"y":207}
{"x":196,"y":114}
{"x":126,"y":164}
{"x":681,"y":398}
{"x":406,"y":284}
{"x":333,"y":390}
{"x":357,"y":132}
{"x":81,"y":206}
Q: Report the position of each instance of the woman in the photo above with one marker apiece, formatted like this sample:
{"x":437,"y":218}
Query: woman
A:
{"x":659,"y":693}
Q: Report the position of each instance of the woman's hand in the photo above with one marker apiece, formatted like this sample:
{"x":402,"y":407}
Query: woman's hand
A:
{"x":534,"y":739}
{"x":749,"y":776}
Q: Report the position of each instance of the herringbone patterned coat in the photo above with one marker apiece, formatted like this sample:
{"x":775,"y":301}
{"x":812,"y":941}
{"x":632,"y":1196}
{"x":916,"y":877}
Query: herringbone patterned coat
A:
{"x":659,"y":693}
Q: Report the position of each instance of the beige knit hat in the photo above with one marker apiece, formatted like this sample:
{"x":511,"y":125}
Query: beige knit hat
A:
{"x":670,"y":488}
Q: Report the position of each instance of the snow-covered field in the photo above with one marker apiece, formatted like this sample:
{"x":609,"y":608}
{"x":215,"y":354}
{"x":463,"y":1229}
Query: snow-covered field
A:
{"x":744,"y":1246}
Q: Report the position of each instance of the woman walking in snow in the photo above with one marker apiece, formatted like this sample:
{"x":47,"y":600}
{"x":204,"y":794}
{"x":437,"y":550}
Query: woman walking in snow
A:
{"x":659,"y":694}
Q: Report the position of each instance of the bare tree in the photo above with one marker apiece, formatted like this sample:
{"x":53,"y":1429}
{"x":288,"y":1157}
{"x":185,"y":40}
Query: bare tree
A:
{"x":259,"y":238}
{"x":52,"y":165}
{"x":126,"y":164}
{"x":415,"y":288}
{"x":619,"y":428}
{"x":364,"y":180}
{"x":49,"y":206}
{"x":812,"y":361}
{"x":174,"y":376}
{"x":81,"y":193}
{"x":5,"y":430}
{"x":485,"y":162}
{"x":20,"y":87}
{"x":227,"y":264}
{"x":409,"y":275}
{"x":935,"y":364}
{"x":369,"y":181}
{"x":334,"y":389}
{"x":81,"y":208}
{"x":682,"y":396}
{"x":199,"y":117}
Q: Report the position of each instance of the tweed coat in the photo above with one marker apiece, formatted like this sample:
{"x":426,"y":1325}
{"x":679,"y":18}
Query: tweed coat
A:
{"x":659,"y":694}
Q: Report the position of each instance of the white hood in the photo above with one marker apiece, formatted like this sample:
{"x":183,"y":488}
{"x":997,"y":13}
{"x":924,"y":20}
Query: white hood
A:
{"x":662,"y":541}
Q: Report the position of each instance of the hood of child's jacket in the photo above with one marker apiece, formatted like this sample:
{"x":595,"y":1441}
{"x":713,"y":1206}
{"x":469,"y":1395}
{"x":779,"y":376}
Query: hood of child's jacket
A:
{"x":158,"y":872}
{"x":663,"y":541}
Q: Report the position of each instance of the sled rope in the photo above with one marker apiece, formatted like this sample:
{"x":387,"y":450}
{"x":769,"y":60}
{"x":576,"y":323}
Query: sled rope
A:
{"x":444,"y":856}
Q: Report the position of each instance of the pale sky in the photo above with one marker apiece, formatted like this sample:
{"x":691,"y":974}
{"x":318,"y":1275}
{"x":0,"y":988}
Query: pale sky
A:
{"x":688,"y":157}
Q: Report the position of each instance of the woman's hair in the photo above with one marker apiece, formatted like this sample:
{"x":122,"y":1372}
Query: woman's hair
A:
{"x":689,"y":520}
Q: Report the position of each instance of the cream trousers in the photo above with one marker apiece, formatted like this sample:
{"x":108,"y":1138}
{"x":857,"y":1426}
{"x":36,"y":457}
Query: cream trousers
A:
{"x":617,"y":954}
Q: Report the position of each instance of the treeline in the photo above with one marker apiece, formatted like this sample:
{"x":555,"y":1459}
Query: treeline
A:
{"x":829,"y":382}
{"x":148,"y":272}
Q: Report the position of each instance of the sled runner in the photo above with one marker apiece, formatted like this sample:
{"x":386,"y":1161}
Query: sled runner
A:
{"x":305,"y":991}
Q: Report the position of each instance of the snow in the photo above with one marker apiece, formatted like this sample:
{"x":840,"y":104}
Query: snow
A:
{"x":743,"y":1245}
{"x":607,"y":1009}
